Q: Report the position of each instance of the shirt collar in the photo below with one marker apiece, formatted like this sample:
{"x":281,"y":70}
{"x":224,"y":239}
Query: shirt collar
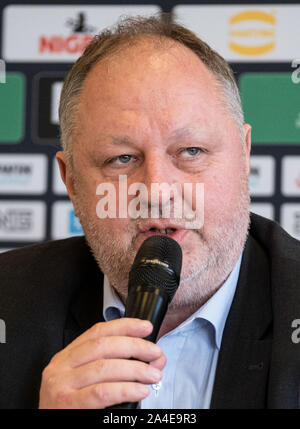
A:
{"x":215,"y":310}
{"x":113,"y":307}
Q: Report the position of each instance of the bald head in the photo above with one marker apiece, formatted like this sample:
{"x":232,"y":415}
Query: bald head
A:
{"x":142,"y":36}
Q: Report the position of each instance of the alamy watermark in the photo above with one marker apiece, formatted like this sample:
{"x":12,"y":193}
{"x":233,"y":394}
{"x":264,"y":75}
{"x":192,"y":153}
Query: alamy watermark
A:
{"x":296,"y":73}
{"x":296,"y":333}
{"x":2,"y":331}
{"x":181,"y":202}
{"x":2,"y":71}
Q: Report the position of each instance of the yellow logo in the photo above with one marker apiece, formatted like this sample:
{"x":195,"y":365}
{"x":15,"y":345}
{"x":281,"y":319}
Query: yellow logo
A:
{"x":252,"y":32}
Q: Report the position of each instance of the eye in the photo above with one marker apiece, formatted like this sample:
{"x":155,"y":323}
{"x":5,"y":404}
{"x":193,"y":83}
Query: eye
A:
{"x":119,"y":160}
{"x":191,"y":152}
{"x":123,"y":159}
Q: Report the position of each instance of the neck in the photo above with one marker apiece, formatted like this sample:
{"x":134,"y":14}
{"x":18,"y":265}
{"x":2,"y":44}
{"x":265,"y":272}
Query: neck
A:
{"x":176,"y":315}
{"x":173,"y":319}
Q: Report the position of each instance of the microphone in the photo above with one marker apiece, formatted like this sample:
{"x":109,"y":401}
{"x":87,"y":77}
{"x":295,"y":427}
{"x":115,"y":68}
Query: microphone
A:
{"x":153,"y":280}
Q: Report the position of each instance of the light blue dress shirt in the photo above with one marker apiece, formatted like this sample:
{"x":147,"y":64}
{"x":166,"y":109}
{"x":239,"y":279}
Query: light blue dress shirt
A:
{"x":191,"y":349}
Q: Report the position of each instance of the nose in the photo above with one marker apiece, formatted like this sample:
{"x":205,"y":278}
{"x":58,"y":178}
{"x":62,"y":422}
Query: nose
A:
{"x":157,"y":169}
{"x":159,"y":175}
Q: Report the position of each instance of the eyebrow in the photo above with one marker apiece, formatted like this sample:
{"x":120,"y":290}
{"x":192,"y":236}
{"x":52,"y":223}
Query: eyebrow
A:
{"x":184,"y":132}
{"x":122,"y":140}
{"x":116,"y":140}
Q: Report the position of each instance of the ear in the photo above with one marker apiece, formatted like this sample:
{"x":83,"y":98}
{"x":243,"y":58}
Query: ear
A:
{"x":247,"y":144}
{"x":66,"y":173}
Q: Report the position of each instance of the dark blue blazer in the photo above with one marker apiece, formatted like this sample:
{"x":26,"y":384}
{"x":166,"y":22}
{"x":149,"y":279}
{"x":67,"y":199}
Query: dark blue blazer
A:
{"x":52,"y":292}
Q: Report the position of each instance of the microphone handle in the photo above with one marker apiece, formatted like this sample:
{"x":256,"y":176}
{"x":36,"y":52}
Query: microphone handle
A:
{"x":146,"y":303}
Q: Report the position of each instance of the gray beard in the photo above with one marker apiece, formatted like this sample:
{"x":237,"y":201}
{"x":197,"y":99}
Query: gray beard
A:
{"x":218,"y":254}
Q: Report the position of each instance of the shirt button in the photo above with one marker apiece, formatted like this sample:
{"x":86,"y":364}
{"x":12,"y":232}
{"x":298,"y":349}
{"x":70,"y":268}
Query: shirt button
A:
{"x":156,"y":387}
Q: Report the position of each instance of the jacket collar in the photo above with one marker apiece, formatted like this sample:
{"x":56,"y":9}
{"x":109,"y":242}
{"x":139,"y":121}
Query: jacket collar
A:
{"x":242,"y":370}
{"x":86,"y":306}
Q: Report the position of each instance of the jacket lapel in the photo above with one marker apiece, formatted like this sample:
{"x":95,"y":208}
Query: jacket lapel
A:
{"x":242,"y":371}
{"x":87,"y":306}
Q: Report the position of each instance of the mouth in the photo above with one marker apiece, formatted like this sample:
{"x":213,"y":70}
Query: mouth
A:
{"x":173,"y":231}
{"x":165,"y":231}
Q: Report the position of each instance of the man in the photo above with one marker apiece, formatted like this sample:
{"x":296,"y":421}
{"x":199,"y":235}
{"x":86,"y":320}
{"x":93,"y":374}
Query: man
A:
{"x":152,"y":103}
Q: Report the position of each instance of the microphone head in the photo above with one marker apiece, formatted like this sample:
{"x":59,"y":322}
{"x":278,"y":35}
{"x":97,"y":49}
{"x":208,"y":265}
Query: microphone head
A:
{"x":157,"y":263}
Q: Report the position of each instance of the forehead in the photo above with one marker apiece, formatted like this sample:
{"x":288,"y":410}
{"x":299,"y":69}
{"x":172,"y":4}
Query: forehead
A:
{"x":149,"y":83}
{"x":144,"y":64}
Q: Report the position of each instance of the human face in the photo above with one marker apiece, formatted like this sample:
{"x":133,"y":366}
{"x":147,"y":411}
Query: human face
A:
{"x":157,"y":116}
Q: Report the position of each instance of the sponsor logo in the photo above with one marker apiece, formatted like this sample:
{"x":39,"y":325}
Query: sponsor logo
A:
{"x":255,"y":173}
{"x":22,"y":220}
{"x":12,"y":108}
{"x":59,"y":33}
{"x":15,"y":169}
{"x":252,"y":32}
{"x":74,"y":224}
{"x":290,"y":219}
{"x":56,"y":88}
{"x":64,"y":222}
{"x":15,"y":219}
{"x":265,"y":96}
{"x":296,"y":225}
{"x":23,"y":174}
{"x":295,"y":337}
{"x":290,"y":176}
{"x":72,"y":44}
{"x":262,"y":175}
{"x":296,"y":73}
{"x":297,"y":121}
{"x":47,"y":88}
